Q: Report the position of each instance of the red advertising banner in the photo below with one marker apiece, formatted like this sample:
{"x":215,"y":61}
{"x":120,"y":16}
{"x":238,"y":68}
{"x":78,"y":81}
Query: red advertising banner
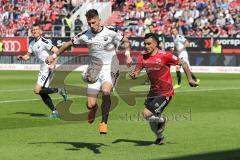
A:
{"x":15,"y":44}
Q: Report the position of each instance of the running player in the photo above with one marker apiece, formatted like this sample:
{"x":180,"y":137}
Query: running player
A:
{"x":157,"y":64}
{"x":41,"y":48}
{"x":181,"y":43}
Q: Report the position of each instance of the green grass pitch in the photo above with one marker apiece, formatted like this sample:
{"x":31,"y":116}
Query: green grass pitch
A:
{"x":203,"y":124}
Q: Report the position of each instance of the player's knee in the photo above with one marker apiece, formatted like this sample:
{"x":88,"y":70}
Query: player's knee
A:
{"x":91,"y":105}
{"x":37,"y":90}
{"x":145,"y":115}
{"x":106,"y":92}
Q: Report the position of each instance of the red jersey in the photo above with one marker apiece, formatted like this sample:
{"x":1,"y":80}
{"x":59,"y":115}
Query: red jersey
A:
{"x":158,"y":71}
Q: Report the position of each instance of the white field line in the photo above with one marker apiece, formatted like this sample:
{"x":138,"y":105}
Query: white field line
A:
{"x":35,"y":99}
{"x":14,"y":90}
{"x":197,"y":90}
{"x":208,"y":89}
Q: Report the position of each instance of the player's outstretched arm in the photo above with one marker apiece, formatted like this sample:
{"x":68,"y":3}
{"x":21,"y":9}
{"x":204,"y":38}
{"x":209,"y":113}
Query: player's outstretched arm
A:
{"x":24,"y":57}
{"x":64,"y":47}
{"x":127,"y":46}
{"x":54,"y":49}
{"x":187,"y":71}
{"x":134,"y":74}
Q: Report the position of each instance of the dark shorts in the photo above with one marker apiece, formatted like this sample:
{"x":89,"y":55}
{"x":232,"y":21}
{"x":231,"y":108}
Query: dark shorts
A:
{"x":157,"y":104}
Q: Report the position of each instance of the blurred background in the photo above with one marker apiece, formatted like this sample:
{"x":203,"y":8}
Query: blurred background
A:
{"x":212,"y":27}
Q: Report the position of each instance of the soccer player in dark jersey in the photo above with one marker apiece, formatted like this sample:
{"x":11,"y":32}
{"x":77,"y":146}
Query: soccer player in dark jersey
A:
{"x":157,"y":64}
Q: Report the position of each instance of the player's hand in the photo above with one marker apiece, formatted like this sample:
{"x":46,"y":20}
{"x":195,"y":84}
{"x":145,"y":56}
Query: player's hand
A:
{"x":133,"y":75}
{"x":193,"y":83}
{"x":19,"y":57}
{"x":129,"y":61}
{"x":52,"y":67}
{"x":49,"y":59}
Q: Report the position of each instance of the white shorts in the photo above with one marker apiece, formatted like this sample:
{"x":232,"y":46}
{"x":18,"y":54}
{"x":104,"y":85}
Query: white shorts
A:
{"x":105,"y":75}
{"x":44,"y":77}
{"x":185,"y":59}
{"x":184,"y":56}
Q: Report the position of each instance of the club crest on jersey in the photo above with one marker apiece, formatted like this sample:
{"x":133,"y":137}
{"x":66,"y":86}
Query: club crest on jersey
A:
{"x":105,"y":38}
{"x":174,"y":57}
{"x":158,"y":61}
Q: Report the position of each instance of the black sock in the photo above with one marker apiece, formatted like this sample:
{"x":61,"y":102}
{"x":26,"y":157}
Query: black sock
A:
{"x":48,"y":101}
{"x":193,"y":77}
{"x":106,"y":104}
{"x":96,"y":106}
{"x":48,"y":90}
{"x":179,"y":77}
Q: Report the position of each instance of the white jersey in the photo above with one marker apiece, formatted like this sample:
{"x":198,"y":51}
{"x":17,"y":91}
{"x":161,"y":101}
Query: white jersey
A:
{"x":101,"y":45}
{"x":41,"y":49}
{"x":179,"y":41}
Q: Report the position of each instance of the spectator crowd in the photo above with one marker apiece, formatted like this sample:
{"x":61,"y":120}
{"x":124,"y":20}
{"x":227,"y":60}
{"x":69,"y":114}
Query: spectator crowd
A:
{"x":198,"y":18}
{"x":17,"y":16}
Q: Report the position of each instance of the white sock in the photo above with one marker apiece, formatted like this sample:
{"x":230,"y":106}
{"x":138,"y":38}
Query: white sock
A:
{"x":55,"y":112}
{"x":154,"y":128}
{"x":154,"y":118}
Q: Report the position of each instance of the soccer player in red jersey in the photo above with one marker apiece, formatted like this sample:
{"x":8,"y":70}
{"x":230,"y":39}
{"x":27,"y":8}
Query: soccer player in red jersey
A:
{"x":157,"y":64}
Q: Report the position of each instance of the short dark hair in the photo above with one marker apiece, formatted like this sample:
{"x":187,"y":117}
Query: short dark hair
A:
{"x":36,"y":25}
{"x":153,"y":36}
{"x":91,"y":13}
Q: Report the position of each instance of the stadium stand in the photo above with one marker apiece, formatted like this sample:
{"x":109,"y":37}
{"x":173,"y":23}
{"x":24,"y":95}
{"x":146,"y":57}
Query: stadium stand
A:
{"x":17,"y":16}
{"x":200,"y":18}
{"x":194,"y":18}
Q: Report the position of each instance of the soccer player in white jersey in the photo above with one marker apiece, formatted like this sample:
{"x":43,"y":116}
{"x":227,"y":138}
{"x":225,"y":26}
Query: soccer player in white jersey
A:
{"x":102,"y":43}
{"x":41,"y":48}
{"x":180,"y":45}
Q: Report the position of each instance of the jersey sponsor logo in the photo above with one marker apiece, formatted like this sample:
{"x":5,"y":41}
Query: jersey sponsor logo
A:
{"x":158,"y":61}
{"x":109,"y":46}
{"x":105,"y":38}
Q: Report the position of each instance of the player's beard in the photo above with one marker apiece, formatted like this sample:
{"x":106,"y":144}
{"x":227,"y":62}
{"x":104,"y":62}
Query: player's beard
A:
{"x":150,"y":51}
{"x":97,"y":29}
